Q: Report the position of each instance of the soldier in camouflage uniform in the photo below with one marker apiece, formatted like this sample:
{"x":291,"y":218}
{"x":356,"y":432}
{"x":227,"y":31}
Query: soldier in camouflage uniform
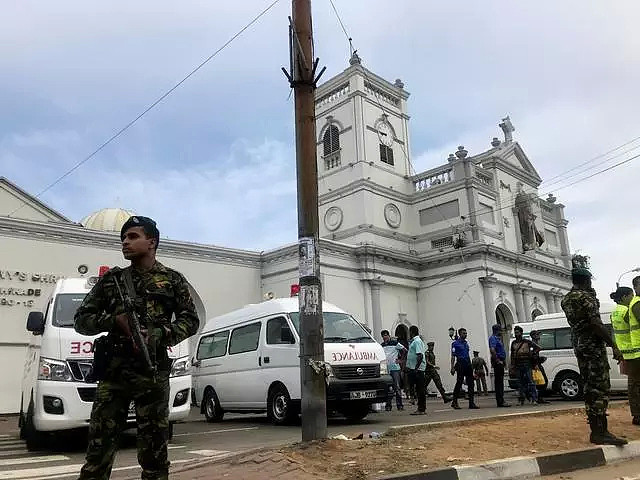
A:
{"x":589,"y":336}
{"x":161,"y":292}
{"x":431,"y":372}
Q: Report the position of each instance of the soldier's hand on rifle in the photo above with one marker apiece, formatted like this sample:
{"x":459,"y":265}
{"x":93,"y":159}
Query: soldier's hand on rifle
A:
{"x":122,"y":321}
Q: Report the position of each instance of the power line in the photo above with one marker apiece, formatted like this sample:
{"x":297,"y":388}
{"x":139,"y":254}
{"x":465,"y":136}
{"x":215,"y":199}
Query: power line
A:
{"x":606,"y":160}
{"x":150,"y":107}
{"x":595,"y":158}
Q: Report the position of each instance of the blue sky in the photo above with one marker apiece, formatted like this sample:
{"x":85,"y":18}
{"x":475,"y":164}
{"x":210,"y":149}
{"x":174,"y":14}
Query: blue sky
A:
{"x":214,"y":163}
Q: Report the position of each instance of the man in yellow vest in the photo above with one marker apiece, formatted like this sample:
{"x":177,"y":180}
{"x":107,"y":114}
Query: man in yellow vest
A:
{"x":633,"y":365}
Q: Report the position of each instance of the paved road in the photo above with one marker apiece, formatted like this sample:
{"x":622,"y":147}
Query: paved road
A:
{"x":621,"y":471}
{"x":196,"y":439}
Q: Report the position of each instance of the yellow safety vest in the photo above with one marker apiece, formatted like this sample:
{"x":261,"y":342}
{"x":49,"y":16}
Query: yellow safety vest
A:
{"x":634,"y":329}
{"x":622,"y":331}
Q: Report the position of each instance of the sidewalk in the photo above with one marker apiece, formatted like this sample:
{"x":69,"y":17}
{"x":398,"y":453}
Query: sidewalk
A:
{"x":419,"y":447}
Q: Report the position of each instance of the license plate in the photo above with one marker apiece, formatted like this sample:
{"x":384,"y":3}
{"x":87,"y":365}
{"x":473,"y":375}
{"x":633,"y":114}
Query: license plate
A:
{"x":364,"y":394}
{"x":132,"y":409}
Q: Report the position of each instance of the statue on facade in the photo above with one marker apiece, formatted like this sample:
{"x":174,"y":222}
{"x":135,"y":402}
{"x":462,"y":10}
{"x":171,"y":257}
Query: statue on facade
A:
{"x":529,"y":234}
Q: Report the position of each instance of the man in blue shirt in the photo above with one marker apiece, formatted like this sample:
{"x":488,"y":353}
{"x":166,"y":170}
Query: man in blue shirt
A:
{"x":416,"y":366}
{"x":461,"y":365}
{"x":392,"y":349}
{"x":498,"y":358}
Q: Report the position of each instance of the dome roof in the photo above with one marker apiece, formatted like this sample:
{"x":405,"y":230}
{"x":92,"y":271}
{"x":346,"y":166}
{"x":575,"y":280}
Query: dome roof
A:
{"x":107,"y":219}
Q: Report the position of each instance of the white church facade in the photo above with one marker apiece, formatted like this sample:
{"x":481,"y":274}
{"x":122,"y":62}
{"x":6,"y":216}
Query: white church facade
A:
{"x":467,"y":243}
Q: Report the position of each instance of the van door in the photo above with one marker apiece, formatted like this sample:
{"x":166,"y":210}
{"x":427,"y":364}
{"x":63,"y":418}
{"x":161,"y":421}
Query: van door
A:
{"x":209,"y":364}
{"x":279,"y":357}
{"x":241,"y":378}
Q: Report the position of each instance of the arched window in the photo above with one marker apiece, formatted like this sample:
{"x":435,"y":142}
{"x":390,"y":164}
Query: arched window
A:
{"x":331,"y":140}
{"x":536,"y":313}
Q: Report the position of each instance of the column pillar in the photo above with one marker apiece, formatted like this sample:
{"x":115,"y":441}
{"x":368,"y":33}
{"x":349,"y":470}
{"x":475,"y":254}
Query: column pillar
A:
{"x":526,"y":305}
{"x":487,"y":292}
{"x":517,"y":293}
{"x":376,"y":311}
{"x":557,"y":298}
{"x":551,"y":306}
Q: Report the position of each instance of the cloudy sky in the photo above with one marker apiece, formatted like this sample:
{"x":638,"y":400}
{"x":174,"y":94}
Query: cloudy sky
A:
{"x":214,"y":162}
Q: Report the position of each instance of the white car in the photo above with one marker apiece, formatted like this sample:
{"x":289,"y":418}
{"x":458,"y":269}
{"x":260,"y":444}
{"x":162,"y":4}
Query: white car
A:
{"x":561,"y":365}
{"x":248,"y":361}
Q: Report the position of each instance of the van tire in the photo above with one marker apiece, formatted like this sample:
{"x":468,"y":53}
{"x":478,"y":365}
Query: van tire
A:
{"x":356,"y":411}
{"x":211,"y":406}
{"x":33,"y":438}
{"x":280,"y":409}
{"x":569,"y":385}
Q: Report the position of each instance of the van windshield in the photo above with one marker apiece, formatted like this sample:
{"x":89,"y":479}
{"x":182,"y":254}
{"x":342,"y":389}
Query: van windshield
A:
{"x":65,"y":308}
{"x":338,"y":328}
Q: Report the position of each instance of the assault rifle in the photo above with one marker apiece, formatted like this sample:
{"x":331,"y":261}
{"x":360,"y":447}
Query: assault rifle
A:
{"x":134,"y":320}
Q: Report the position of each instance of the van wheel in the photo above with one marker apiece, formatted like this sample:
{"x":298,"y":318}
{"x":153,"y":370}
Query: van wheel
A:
{"x":33,"y":438}
{"x":356,"y":412}
{"x":570,"y":386}
{"x":211,"y":405}
{"x":279,"y":407}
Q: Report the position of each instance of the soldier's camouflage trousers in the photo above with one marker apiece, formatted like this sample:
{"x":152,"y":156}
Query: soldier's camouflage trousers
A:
{"x":108,"y":420}
{"x":594,"y":370}
{"x":432,"y":374}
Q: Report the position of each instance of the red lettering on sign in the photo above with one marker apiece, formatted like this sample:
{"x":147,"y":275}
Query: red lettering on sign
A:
{"x":75,"y":347}
{"x":87,"y":347}
{"x":169,"y":349}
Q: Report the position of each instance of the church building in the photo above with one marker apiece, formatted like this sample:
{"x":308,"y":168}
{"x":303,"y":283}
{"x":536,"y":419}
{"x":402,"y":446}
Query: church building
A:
{"x":467,"y":243}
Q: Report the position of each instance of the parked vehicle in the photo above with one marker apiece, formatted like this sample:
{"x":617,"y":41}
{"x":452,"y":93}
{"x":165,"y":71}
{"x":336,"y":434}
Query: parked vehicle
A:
{"x":561,"y":365}
{"x":248,"y":361}
{"x":56,"y":395}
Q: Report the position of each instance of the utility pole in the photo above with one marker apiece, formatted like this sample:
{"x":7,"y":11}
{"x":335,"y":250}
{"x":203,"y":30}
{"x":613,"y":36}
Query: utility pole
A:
{"x":302,"y":77}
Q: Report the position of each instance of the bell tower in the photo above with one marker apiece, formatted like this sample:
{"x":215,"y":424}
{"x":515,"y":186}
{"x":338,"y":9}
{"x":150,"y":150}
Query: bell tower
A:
{"x":363,"y":149}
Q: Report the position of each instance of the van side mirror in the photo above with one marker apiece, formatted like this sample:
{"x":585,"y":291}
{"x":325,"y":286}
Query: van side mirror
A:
{"x":35,"y":323}
{"x":286,"y":335}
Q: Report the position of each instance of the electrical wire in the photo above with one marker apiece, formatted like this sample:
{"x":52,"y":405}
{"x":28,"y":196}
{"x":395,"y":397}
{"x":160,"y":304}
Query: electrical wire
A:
{"x":150,"y":107}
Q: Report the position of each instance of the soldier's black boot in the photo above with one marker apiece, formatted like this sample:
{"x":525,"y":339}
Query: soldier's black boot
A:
{"x":454,"y":404}
{"x":600,"y":434}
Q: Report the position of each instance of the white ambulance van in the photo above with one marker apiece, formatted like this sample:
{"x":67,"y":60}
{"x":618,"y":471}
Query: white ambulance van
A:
{"x":561,"y":365}
{"x":248,"y":361}
{"x":55,"y":393}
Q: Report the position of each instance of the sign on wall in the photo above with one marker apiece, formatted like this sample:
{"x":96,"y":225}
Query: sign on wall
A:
{"x":20,"y":288}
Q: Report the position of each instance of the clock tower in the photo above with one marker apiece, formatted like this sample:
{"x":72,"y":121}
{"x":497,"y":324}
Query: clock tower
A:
{"x":363,"y":156}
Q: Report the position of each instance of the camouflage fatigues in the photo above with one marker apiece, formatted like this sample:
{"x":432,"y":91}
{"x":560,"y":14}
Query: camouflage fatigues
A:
{"x":582,"y":308}
{"x":431,"y":373}
{"x":161,"y":293}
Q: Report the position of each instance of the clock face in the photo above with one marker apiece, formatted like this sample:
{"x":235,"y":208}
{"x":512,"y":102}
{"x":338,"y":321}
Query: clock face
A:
{"x":385,"y":134}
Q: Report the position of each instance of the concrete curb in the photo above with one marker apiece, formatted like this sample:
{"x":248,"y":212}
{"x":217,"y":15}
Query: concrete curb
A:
{"x":529,"y":467}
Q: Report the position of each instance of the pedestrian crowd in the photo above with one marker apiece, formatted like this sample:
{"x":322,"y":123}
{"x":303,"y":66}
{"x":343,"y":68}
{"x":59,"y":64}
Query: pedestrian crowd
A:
{"x":413,"y":367}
